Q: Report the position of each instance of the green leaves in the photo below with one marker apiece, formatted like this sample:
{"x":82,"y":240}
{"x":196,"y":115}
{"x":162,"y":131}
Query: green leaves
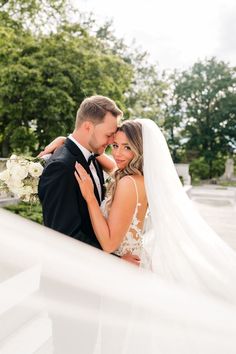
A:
{"x":44,"y":78}
{"x":35,"y":13}
{"x":206,"y":94}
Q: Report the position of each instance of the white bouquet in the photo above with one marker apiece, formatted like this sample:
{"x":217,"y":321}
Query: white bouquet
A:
{"x":21,"y":177}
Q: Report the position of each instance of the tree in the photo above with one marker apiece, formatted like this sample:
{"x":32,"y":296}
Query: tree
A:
{"x":43,"y":79}
{"x":15,"y":80}
{"x":147,"y":93}
{"x":207,"y":103}
{"x":73,"y":66}
{"x":44,"y":75}
{"x":173,"y":120}
{"x":36,"y":14}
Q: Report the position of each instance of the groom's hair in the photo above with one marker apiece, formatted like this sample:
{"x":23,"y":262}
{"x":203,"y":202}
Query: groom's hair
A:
{"x":94,"y":109}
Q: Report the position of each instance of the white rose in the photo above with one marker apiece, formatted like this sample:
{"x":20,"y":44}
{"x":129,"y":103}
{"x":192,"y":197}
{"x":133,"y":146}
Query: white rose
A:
{"x":13,"y":183}
{"x":5,"y":176}
{"x":35,"y":169}
{"x":13,"y":157}
{"x":13,"y":161}
{"x":25,"y":191}
{"x":19,"y":171}
{"x":15,"y":187}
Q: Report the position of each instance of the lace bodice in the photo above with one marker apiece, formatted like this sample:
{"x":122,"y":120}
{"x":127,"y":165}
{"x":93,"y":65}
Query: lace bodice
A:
{"x":133,"y":240}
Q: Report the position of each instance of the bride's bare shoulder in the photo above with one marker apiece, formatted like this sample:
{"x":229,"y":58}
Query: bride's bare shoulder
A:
{"x":130,"y":179}
{"x":137,"y":178}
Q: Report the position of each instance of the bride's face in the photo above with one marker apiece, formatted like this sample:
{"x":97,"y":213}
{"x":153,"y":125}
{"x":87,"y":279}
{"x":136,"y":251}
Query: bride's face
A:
{"x":121,"y":150}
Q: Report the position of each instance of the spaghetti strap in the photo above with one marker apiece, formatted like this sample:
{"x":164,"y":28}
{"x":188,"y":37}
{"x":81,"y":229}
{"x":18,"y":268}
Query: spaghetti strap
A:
{"x":136,"y":189}
{"x":133,"y":239}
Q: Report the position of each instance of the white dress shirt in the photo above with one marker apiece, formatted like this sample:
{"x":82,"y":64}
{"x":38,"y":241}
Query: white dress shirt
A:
{"x":87,"y":154}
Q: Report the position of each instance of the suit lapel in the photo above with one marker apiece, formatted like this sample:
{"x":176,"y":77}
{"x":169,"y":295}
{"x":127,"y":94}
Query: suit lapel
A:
{"x":75,"y":150}
{"x":95,"y":186}
{"x":100,"y":176}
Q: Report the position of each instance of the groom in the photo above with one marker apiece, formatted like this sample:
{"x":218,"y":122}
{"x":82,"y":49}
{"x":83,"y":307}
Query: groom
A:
{"x":64,"y":208}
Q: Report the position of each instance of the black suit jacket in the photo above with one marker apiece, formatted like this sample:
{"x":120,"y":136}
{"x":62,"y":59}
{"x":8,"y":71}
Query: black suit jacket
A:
{"x":64,"y":208}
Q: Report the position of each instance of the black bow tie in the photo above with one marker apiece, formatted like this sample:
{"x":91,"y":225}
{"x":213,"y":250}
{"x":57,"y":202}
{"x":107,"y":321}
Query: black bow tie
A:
{"x":92,"y":158}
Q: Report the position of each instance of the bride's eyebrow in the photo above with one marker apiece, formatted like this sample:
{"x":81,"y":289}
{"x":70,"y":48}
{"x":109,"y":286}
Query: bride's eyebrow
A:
{"x":114,"y":142}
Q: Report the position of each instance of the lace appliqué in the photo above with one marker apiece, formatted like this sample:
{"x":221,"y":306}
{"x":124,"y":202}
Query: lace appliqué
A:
{"x":133,"y":240}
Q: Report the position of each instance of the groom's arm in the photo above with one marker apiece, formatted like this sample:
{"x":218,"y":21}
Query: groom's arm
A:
{"x":57,"y":193}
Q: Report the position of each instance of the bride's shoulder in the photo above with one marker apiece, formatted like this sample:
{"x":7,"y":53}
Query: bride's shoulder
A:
{"x":125,"y":182}
{"x":130,"y":179}
{"x":128,"y":186}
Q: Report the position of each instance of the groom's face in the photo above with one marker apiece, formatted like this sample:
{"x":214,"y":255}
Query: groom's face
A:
{"x":102,"y":134}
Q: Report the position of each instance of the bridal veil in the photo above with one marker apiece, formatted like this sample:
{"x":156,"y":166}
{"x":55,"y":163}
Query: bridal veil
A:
{"x":184,"y":247}
{"x":58,"y":295}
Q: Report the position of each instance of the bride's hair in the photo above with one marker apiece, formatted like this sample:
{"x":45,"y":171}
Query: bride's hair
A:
{"x":133,"y":131}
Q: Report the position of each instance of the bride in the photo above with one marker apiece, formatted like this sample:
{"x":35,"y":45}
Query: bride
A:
{"x":179,"y":245}
{"x":118,"y":223}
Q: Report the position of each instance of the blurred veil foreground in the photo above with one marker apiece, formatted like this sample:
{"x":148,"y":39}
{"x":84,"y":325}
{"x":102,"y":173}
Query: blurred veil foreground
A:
{"x":58,"y":295}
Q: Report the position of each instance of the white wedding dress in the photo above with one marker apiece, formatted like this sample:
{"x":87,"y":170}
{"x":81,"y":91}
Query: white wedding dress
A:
{"x":134,"y":240}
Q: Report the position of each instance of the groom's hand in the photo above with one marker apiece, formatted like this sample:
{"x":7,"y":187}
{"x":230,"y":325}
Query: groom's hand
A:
{"x":131,"y":258}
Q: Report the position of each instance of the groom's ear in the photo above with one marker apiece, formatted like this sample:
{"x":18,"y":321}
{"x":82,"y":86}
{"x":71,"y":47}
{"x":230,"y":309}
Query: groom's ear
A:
{"x":88,"y":126}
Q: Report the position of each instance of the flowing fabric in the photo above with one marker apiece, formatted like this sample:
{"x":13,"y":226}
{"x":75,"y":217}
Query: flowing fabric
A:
{"x":94,"y":303}
{"x":184,"y":248}
{"x":24,"y":327}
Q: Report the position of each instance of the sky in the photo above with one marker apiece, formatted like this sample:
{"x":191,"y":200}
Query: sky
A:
{"x":175,"y":33}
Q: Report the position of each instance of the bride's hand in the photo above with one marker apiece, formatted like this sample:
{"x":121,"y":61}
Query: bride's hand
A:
{"x":55,"y":144}
{"x":131,"y":258}
{"x":85,"y":182}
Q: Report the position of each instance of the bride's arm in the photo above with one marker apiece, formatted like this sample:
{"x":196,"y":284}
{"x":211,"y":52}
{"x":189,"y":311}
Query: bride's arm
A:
{"x":107,"y":163}
{"x":55,"y":144}
{"x":109,"y":232}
